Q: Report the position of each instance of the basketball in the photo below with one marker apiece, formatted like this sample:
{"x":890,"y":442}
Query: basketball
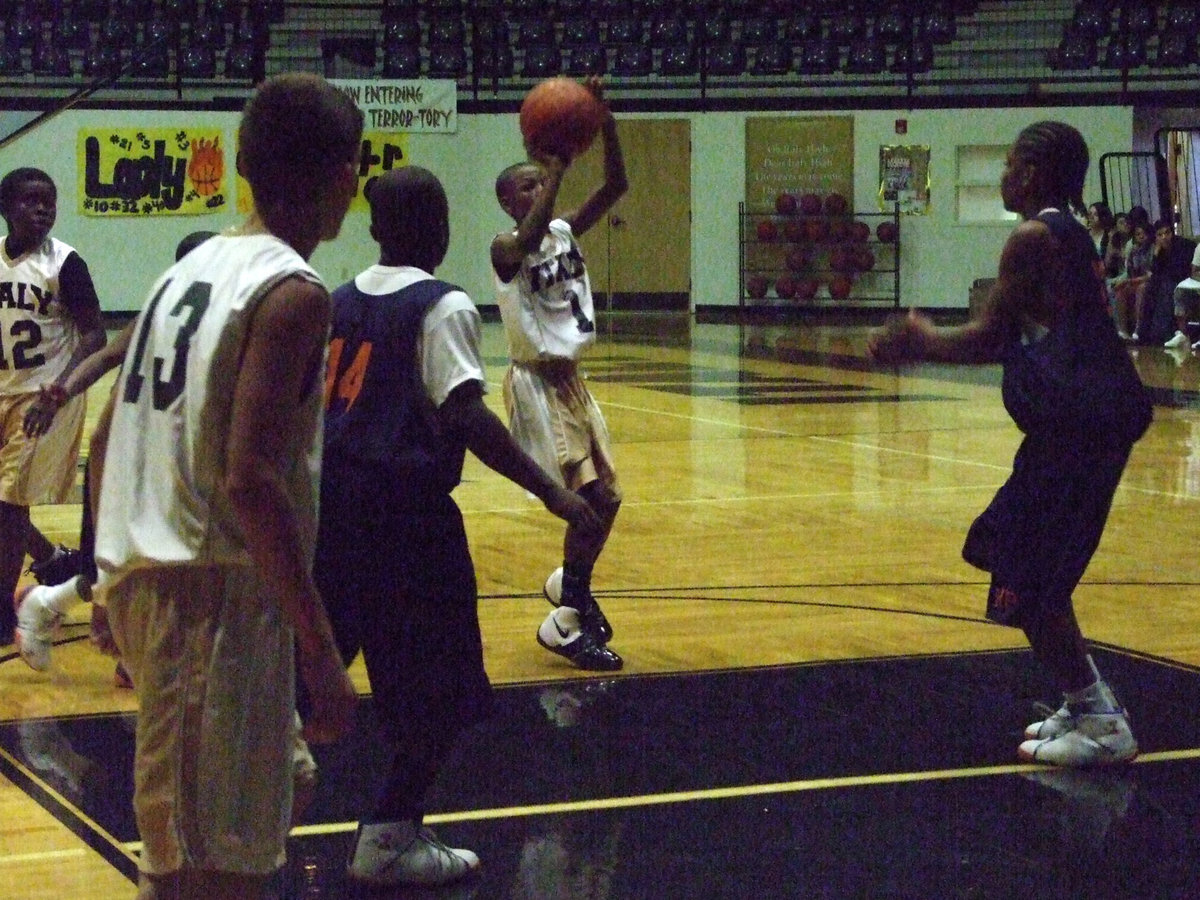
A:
{"x":756,"y":287}
{"x":560,"y":116}
{"x":786,"y":204}
{"x":767,"y":231}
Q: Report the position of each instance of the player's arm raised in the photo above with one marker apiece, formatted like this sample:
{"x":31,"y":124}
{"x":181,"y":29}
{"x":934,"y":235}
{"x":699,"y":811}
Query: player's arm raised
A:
{"x":509,"y":248}
{"x":615,"y":181}
{"x":282,"y":362}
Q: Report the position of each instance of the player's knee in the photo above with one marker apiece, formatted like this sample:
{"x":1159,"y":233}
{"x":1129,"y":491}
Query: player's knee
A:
{"x":602,"y":498}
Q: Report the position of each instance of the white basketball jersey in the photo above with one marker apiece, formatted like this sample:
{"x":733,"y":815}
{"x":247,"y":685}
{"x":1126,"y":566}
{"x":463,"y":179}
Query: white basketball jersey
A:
{"x":37,"y":336}
{"x":166,"y":461}
{"x":547,"y":307}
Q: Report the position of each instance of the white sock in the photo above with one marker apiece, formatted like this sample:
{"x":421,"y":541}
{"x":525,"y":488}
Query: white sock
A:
{"x":59,"y":598}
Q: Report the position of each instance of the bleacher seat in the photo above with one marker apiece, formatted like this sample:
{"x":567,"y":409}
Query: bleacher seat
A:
{"x":541,"y":61}
{"x":198,"y":62}
{"x":847,"y":26}
{"x":678,"y":60}
{"x":894,"y":25}
{"x":1175,"y":50}
{"x":586,"y":59}
{"x":447,"y":61}
{"x":101,"y":61}
{"x":801,"y":27}
{"x":447,"y":30}
{"x":772,"y":59}
{"x":494,"y":61}
{"x":866,"y":57}
{"x":244,"y":62}
{"x":402,"y":61}
{"x":914,"y":58}
{"x":817,"y":57}
{"x":1125,"y":51}
{"x":633,"y":61}
{"x":50,"y":59}
{"x":625,"y":30}
{"x":938,"y":24}
{"x":1076,"y":51}
{"x":150,"y":61}
{"x":725,"y":59}
{"x":580,"y":31}
{"x":401,"y":32}
{"x":1138,"y":18}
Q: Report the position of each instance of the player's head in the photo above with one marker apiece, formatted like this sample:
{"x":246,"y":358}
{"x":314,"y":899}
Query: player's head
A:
{"x":1053,"y":160}
{"x":410,"y":217}
{"x":191,"y":242}
{"x":29,"y":204}
{"x":518,"y":186}
{"x":298,"y":145}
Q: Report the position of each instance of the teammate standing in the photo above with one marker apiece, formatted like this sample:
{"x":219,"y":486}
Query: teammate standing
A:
{"x":545,"y":300}
{"x":405,"y":401}
{"x":208,"y":510}
{"x":50,"y":321}
{"x":1070,"y":386}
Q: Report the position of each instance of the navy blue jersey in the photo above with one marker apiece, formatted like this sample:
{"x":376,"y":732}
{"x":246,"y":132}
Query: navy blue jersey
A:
{"x":379,"y":420}
{"x":1077,"y":383}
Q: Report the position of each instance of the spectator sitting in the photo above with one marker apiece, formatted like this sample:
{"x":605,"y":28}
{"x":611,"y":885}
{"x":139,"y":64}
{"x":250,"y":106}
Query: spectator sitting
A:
{"x":1172,"y":263}
{"x":1129,"y":288}
{"x":1187,"y":297}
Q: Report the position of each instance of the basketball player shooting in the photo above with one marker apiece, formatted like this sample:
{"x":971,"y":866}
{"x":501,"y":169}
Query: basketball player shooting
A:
{"x":545,"y":300}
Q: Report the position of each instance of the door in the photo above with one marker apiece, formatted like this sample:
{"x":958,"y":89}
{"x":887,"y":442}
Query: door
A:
{"x":639,"y":257}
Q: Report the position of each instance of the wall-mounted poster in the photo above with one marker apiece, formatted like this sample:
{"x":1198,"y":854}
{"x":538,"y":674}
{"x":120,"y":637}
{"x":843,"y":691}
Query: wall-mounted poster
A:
{"x":152,"y":171}
{"x":795,"y":155}
{"x":904,"y":179}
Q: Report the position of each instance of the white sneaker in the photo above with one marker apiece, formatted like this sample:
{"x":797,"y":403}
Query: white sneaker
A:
{"x":1056,"y":724}
{"x":1098,"y":739}
{"x":36,"y":624}
{"x":1196,"y":346}
{"x":1178,"y":340}
{"x":395,"y":853}
{"x":1123,"y":335}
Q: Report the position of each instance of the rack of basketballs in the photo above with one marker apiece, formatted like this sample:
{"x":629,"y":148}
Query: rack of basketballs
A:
{"x":813,"y":249}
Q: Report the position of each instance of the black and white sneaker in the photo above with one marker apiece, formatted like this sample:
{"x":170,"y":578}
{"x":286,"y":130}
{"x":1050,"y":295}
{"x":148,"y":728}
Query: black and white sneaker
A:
{"x":590,"y":615}
{"x":561,"y":633}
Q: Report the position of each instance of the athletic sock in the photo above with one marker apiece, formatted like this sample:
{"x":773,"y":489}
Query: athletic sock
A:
{"x":576,"y":583}
{"x":1095,"y":698}
{"x":59,"y":598}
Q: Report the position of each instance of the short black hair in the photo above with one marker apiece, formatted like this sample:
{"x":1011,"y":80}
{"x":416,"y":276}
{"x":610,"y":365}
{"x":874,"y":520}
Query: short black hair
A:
{"x":191,"y":242}
{"x":1063,"y":159}
{"x":410,"y":216}
{"x":295,"y":131}
{"x":507,"y":173}
{"x":11,"y":183}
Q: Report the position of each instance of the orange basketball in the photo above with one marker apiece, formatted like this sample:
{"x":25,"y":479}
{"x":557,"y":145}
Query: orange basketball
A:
{"x":560,"y":116}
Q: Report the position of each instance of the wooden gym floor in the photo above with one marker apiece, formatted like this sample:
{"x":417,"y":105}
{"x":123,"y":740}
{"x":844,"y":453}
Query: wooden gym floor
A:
{"x":812,"y":703}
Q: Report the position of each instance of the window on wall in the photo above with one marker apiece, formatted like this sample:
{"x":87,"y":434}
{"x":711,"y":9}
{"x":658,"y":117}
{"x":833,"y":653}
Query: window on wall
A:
{"x":977,"y":184}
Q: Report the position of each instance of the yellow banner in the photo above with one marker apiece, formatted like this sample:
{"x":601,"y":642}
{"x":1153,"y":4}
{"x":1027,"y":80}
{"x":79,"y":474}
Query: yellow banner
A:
{"x":152,"y":171}
{"x":381,"y":152}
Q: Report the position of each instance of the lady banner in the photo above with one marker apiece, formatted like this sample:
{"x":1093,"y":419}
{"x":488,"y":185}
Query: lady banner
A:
{"x":904,"y":179}
{"x":152,"y":171}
